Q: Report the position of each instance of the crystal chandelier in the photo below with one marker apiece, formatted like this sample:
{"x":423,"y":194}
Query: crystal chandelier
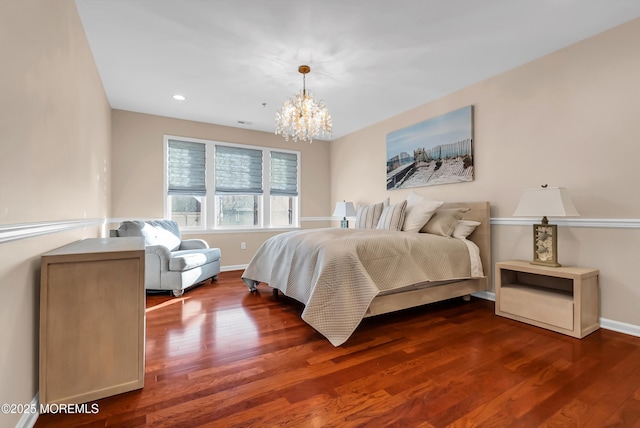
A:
{"x":301,"y":117}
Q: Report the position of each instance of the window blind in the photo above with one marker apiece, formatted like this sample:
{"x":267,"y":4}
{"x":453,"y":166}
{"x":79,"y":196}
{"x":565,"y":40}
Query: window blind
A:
{"x":238,"y":170}
{"x":284,"y":174}
{"x":186,"y":164}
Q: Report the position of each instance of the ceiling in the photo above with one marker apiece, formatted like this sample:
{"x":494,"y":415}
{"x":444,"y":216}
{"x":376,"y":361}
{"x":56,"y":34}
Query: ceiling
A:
{"x":237,"y":60}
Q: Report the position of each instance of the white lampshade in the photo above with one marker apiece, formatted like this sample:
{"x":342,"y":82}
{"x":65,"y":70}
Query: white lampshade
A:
{"x":344,"y":209}
{"x":546,"y":202}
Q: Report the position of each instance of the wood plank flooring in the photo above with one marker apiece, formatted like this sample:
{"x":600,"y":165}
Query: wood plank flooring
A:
{"x":220,"y":356}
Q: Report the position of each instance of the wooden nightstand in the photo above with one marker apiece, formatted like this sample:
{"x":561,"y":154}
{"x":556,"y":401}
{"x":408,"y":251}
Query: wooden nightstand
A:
{"x":562,"y":299}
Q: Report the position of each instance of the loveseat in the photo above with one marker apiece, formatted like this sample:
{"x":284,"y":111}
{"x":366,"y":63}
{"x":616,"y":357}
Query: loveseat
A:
{"x":172,"y":263}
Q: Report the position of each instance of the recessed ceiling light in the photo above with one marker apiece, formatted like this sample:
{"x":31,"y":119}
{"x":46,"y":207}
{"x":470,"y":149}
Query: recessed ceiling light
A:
{"x":179,"y":97}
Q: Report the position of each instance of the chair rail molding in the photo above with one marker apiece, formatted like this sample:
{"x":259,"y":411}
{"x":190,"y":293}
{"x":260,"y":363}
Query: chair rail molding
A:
{"x":303,"y":219}
{"x":13,"y":232}
{"x":602,"y":223}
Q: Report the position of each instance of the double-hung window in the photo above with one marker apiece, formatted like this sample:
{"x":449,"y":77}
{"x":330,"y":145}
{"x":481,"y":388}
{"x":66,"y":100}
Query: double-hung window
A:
{"x":215,"y":185}
{"x":238,"y":184}
{"x":283,"y":189}
{"x":186,"y":179}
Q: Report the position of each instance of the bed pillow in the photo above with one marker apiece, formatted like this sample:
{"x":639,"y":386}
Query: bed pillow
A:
{"x":367,"y":216}
{"x":392,"y":217}
{"x":418,"y":212}
{"x":464,"y":228}
{"x":444,"y":221}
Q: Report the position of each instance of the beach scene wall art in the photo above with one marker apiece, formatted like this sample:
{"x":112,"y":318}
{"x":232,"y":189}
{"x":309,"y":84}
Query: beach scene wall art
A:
{"x":436,"y":151}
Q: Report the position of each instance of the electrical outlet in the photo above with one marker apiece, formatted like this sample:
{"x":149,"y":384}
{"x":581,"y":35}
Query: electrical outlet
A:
{"x":243,"y":245}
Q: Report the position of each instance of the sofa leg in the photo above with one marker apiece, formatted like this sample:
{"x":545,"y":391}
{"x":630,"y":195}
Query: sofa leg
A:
{"x":214,"y":278}
{"x":178,"y":293}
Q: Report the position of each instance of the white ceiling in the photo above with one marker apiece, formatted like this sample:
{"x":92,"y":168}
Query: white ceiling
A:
{"x":370,"y":59}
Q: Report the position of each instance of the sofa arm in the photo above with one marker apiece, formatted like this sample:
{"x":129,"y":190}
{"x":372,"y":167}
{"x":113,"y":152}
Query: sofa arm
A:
{"x":158,"y":255}
{"x":193,"y":244}
{"x":156,"y":261}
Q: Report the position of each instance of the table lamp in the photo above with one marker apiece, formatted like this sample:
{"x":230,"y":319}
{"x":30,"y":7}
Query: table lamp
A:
{"x":543,"y":202}
{"x":344,"y":210}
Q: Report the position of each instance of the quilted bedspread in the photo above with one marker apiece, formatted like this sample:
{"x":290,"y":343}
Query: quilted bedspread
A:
{"x":337,"y":272}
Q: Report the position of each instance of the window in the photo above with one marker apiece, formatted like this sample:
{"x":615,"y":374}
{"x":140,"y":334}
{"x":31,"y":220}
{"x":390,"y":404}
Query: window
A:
{"x":218,"y":185}
{"x":238,"y":182}
{"x":186,"y":182}
{"x":284,"y":187}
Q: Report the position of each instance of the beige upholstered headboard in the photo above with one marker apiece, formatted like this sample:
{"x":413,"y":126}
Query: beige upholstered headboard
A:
{"x":479,"y":211}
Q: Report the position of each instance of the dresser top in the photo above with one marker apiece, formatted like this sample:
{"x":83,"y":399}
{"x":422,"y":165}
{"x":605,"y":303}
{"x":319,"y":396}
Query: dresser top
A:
{"x":100,"y":245}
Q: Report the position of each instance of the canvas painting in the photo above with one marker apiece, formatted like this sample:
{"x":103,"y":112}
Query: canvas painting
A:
{"x":436,"y":151}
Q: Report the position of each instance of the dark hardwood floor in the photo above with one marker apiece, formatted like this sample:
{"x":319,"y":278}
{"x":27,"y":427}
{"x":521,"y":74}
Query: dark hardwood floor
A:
{"x":221,"y":356}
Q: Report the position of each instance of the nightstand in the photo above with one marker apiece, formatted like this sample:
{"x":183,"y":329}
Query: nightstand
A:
{"x":562,"y":299}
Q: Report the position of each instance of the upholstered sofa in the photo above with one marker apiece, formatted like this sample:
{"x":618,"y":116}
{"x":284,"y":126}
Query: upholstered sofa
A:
{"x":172,"y":263}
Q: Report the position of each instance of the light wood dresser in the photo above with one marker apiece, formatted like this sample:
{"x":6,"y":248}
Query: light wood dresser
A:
{"x":92,"y":320}
{"x":563,"y":299}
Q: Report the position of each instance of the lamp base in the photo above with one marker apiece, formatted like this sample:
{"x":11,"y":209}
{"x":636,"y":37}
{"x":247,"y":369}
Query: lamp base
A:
{"x":344,"y":224}
{"x":545,"y":244}
{"x":545,"y":264}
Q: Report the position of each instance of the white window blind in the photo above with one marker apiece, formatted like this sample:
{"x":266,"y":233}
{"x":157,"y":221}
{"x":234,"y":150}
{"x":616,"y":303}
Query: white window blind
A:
{"x":186,"y":168}
{"x":284,"y":174}
{"x":238,"y":170}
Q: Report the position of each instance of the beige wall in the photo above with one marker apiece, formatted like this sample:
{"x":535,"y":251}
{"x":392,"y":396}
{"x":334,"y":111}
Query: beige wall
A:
{"x":568,"y":119}
{"x":137,"y":156}
{"x":54,"y":165}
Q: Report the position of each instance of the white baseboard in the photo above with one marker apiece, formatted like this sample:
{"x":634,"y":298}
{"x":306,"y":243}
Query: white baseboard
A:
{"x":232,"y":267}
{"x":486,"y":295}
{"x":28,"y":420}
{"x":620,"y":327}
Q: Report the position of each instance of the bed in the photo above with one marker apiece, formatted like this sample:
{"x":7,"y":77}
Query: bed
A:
{"x":345,"y":275}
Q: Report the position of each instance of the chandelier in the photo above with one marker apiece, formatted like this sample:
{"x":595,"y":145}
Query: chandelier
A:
{"x":301,"y":117}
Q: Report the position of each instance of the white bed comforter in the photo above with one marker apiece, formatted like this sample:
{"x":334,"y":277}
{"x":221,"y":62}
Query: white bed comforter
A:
{"x":337,"y":272}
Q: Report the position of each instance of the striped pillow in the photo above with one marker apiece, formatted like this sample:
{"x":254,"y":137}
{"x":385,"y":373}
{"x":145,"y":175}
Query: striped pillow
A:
{"x":392,"y":217}
{"x":367,"y":216}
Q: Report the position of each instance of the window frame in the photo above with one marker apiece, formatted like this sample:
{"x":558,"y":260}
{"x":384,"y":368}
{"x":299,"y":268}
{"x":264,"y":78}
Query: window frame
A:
{"x":208,"y":207}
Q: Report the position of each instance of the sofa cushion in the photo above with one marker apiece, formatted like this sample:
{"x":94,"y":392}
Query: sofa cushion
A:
{"x":155,"y":232}
{"x":189,"y":259}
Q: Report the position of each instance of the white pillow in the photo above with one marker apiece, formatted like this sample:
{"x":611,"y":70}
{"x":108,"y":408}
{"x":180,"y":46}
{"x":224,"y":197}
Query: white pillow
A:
{"x":157,"y":235}
{"x":418,"y":212}
{"x":465,"y":228}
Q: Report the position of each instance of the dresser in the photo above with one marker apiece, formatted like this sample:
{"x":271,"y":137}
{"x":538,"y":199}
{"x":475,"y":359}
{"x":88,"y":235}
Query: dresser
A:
{"x":92,"y":320}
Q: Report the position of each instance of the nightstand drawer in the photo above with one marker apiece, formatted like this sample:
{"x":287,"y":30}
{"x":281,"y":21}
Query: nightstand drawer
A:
{"x":539,"y":304}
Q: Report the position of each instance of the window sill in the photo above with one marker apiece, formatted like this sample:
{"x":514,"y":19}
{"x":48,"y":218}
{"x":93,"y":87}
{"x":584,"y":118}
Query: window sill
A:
{"x":235,"y":231}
